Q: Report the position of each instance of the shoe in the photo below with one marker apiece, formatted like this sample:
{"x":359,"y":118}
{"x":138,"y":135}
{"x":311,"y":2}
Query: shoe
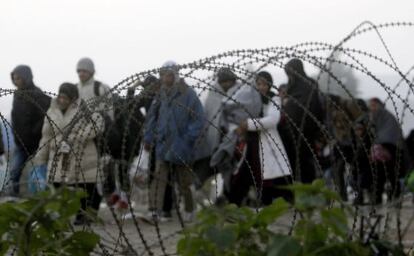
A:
{"x":166,"y":216}
{"x":113,"y":199}
{"x":82,"y":221}
{"x":122,"y":205}
{"x":188,"y":217}
{"x":154,"y":217}
{"x":151,"y":218}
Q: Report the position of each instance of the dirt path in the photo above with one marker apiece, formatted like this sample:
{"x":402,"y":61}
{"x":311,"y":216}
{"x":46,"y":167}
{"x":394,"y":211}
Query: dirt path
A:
{"x":146,"y":239}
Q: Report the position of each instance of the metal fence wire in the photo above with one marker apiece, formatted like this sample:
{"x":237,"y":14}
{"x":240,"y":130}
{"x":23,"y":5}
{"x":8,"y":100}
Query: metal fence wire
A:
{"x":333,"y":139}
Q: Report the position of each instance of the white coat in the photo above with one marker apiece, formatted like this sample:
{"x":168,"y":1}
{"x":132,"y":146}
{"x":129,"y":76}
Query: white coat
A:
{"x":82,"y":161}
{"x":273,"y":157}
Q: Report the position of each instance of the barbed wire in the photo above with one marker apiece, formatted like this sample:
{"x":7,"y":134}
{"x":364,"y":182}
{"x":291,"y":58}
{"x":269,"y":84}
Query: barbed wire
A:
{"x":128,"y":237}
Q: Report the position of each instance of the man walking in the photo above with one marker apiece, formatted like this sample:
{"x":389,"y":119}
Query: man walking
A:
{"x":174,"y":123}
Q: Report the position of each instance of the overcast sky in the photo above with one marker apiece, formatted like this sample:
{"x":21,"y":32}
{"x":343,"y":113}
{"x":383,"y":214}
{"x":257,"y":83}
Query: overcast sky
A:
{"x":128,"y":36}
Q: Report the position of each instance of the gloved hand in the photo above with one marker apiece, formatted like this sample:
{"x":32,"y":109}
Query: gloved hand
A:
{"x":64,"y":147}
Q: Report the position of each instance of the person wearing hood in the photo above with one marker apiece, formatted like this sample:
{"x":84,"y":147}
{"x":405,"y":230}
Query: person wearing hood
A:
{"x":274,"y":164}
{"x":28,"y":112}
{"x":389,"y":152}
{"x":301,"y":109}
{"x":173,"y":125}
{"x":68,"y":148}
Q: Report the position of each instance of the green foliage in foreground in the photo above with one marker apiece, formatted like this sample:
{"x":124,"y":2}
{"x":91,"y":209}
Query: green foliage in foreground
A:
{"x":41,"y":225}
{"x":322,"y":229}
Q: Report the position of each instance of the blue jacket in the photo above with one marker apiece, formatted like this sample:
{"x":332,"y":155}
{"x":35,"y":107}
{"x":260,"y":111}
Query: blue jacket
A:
{"x":174,"y":123}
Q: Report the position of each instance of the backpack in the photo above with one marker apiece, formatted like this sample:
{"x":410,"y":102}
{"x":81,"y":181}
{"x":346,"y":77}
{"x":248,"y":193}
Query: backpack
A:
{"x":110,"y":141}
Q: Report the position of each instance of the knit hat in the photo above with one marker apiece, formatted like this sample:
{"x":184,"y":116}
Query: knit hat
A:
{"x":226,"y":74}
{"x":86,"y":64}
{"x":24,"y":72}
{"x":69,"y":90}
{"x":169,"y":66}
{"x":266,"y":76}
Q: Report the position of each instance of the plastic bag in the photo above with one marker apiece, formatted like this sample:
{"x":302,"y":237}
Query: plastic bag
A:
{"x":38,"y":179}
{"x":139,"y":169}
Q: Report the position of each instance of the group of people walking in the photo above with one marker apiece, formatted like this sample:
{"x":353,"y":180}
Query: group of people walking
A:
{"x":258,"y":136}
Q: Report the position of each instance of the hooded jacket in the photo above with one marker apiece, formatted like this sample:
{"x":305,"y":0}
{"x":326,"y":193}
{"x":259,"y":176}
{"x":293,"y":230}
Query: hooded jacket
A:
{"x":174,"y":123}
{"x":28,"y":111}
{"x":78,"y":128}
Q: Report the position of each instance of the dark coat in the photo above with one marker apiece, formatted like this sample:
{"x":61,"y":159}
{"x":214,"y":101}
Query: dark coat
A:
{"x":28,"y":112}
{"x":303,"y":103}
{"x":130,"y":121}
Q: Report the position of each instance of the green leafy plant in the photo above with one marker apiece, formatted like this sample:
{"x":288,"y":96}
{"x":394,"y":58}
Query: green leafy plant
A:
{"x":230,"y":231}
{"x":321,"y":229}
{"x":41,"y":225}
{"x":410,"y":181}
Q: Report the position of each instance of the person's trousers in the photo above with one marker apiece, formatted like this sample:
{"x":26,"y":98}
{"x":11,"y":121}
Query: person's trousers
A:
{"x":249,"y":173}
{"x":19,"y":159}
{"x":383,"y":172}
{"x":113,"y":170}
{"x":338,"y":171}
{"x":181,"y":174}
{"x":339,"y":168}
{"x":168,"y":198}
{"x":273,"y":189}
{"x":109,"y":172}
{"x":123,"y":175}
